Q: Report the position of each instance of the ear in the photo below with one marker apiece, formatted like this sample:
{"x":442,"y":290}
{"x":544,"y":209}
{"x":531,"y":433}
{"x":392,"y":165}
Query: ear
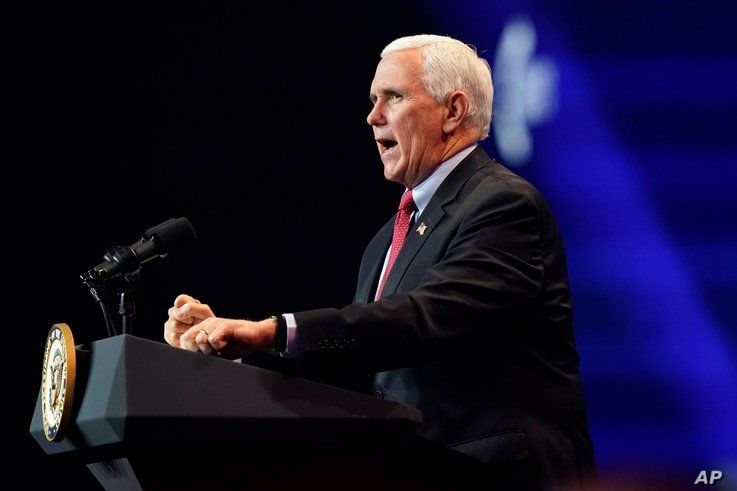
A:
{"x":456,"y":109}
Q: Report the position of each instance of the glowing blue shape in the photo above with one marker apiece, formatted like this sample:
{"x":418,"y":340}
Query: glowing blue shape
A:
{"x":525,"y":91}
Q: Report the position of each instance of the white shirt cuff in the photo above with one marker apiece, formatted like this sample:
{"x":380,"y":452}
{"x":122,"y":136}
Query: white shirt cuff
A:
{"x":292,"y":341}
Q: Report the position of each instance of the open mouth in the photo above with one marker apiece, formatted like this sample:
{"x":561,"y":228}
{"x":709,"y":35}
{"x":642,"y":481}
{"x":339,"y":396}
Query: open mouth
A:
{"x":385,"y":144}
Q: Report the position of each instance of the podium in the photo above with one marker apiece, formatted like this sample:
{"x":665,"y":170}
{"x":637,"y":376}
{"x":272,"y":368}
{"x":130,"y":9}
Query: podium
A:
{"x":149,"y":416}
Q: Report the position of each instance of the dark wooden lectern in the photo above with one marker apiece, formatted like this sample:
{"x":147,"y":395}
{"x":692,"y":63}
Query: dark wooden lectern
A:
{"x":150,"y":416}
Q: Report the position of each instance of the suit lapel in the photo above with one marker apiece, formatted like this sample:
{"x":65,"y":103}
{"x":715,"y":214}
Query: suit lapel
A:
{"x":372,"y":263}
{"x":432,"y":215}
{"x":412,"y":245}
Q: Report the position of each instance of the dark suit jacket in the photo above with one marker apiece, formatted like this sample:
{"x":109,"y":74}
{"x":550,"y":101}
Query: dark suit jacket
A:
{"x":474,"y":327}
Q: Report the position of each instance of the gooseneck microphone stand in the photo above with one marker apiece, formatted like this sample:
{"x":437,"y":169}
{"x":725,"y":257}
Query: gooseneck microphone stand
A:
{"x":124,"y":288}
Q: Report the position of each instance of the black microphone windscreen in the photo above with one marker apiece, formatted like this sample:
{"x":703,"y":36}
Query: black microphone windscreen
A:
{"x":171,"y":234}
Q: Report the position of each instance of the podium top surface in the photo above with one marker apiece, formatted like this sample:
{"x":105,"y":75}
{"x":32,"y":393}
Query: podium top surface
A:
{"x":138,"y":390}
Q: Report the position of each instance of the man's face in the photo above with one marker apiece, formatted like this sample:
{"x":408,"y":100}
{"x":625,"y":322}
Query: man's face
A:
{"x":407,"y":121}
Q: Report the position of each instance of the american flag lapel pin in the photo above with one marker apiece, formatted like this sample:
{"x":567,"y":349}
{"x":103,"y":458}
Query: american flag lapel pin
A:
{"x":421,"y":229}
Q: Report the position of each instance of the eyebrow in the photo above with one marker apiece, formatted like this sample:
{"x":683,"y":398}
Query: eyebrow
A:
{"x":386,"y":91}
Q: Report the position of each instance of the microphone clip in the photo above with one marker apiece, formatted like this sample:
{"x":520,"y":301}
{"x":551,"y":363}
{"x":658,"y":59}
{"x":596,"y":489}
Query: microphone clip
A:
{"x":99,"y":281}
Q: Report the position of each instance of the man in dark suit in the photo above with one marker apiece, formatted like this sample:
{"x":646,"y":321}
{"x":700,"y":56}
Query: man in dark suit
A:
{"x":463,"y":308}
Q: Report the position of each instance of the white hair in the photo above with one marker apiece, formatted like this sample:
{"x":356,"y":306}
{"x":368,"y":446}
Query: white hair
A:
{"x":449,"y":65}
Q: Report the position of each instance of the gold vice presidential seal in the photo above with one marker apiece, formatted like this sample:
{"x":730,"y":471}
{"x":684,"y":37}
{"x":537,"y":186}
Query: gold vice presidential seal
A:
{"x":57,"y":381}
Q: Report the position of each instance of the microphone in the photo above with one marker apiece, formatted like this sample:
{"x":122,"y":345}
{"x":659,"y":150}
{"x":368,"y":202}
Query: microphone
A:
{"x":156,"y":242}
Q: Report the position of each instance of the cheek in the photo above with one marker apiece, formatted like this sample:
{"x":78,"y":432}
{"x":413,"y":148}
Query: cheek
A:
{"x":408,"y":132}
{"x":419,"y":125}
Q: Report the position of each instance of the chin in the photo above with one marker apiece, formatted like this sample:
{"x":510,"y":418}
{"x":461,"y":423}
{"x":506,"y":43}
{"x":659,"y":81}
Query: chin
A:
{"x":389,"y":176}
{"x":391,"y":172}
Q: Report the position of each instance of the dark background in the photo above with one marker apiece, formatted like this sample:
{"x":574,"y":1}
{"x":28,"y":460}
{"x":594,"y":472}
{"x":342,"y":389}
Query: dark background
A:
{"x":122,"y":116}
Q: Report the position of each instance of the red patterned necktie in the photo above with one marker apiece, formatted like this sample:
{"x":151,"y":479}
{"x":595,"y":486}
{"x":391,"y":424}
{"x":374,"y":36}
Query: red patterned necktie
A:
{"x":401,"y":227}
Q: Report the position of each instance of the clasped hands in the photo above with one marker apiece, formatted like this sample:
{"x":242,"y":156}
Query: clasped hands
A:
{"x":193,"y":326}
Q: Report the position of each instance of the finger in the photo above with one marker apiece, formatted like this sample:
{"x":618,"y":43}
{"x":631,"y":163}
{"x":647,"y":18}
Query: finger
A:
{"x":173,"y":331}
{"x":174,"y":328}
{"x":174,"y":315}
{"x":182,"y":299}
{"x":187,"y":340}
{"x":220,"y":338}
{"x":170,"y":336}
{"x":202,"y":341}
{"x":191,"y":312}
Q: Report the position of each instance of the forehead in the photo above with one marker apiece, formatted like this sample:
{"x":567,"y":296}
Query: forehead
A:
{"x":399,"y":69}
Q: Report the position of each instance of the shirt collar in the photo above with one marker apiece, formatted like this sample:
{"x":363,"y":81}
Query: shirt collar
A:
{"x":423,"y":192}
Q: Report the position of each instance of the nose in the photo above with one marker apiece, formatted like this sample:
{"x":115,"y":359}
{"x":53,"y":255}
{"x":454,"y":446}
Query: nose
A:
{"x":375,"y":116}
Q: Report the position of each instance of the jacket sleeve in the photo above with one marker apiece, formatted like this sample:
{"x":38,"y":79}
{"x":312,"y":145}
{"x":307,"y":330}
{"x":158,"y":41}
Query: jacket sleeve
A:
{"x":491,"y":268}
